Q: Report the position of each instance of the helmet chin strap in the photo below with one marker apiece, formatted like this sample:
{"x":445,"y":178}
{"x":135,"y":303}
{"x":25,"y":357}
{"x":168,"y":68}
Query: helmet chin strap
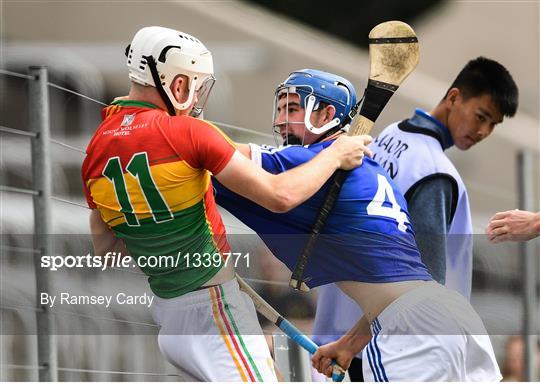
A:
{"x":163,"y":93}
{"x":309,"y":109}
{"x":155,"y":76}
{"x":295,"y":140}
{"x":345,"y":125}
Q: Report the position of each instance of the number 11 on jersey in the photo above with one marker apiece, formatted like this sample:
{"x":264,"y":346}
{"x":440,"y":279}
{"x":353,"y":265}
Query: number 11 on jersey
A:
{"x":139,"y":168}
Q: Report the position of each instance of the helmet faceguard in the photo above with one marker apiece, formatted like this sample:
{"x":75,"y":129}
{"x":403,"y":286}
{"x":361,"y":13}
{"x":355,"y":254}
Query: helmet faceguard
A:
{"x":157,"y":55}
{"x":284,"y":92}
{"x":203,"y":92}
{"x":316,"y":89}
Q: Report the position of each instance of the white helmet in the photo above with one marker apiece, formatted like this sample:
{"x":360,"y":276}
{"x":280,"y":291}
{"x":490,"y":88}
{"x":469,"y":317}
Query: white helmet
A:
{"x":158,"y":55}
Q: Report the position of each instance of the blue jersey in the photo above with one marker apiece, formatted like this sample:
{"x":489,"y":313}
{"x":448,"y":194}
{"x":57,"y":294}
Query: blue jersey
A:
{"x":367,"y":237}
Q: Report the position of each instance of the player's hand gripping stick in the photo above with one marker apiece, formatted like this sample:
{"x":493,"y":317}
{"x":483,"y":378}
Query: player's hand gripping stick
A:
{"x":286,"y":326}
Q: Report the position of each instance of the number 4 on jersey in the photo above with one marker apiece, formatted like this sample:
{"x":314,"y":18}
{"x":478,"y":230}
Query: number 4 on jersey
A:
{"x":376,"y":207}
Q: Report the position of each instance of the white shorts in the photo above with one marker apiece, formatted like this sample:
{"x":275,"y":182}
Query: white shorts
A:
{"x":431,"y":333}
{"x":213,"y":335}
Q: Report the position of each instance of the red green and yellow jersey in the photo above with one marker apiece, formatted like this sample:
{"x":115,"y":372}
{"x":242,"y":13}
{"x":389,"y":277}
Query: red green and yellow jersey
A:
{"x":148,"y":173}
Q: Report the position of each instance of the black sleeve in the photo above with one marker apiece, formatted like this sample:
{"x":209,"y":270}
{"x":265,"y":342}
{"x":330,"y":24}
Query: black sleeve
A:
{"x":432,"y":203}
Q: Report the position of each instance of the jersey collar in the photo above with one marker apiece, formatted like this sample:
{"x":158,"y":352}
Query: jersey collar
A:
{"x":134,"y":103}
{"x":422,"y":119}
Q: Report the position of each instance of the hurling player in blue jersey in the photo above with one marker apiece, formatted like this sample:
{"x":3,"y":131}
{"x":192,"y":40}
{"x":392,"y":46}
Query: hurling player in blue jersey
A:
{"x":413,"y":328}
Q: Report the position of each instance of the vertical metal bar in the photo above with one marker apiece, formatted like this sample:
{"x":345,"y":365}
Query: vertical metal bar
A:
{"x":291,"y":360}
{"x":38,"y":100}
{"x":528,"y":257}
{"x":281,"y":356}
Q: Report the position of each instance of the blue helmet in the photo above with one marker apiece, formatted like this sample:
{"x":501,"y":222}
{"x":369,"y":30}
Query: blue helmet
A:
{"x":314,"y":86}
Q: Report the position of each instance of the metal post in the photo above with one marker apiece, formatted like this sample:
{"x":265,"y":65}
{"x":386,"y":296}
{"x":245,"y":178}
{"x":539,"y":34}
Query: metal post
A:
{"x":38,"y":101}
{"x":292,"y":360}
{"x":528,"y":256}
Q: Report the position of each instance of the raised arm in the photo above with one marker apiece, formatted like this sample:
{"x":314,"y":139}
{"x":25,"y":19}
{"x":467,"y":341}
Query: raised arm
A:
{"x":282,"y":192}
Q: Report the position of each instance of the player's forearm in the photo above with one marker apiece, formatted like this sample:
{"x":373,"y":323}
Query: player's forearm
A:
{"x":282,"y":192}
{"x":357,"y":337}
{"x":298,"y":184}
{"x":290,"y":189}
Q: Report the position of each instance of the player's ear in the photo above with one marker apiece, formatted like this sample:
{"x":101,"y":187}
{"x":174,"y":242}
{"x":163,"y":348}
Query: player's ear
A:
{"x":177,"y":88}
{"x":329,"y":113}
{"x":453,"y":95}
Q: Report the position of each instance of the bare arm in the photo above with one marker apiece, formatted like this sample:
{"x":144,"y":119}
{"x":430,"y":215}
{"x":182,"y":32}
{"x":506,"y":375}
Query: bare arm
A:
{"x":103,"y":238}
{"x":244,"y":149}
{"x":282,"y":192}
{"x":344,"y":349}
{"x":513,"y":225}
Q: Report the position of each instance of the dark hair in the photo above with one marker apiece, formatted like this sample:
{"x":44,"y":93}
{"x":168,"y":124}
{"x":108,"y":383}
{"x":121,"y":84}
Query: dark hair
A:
{"x":485,"y":76}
